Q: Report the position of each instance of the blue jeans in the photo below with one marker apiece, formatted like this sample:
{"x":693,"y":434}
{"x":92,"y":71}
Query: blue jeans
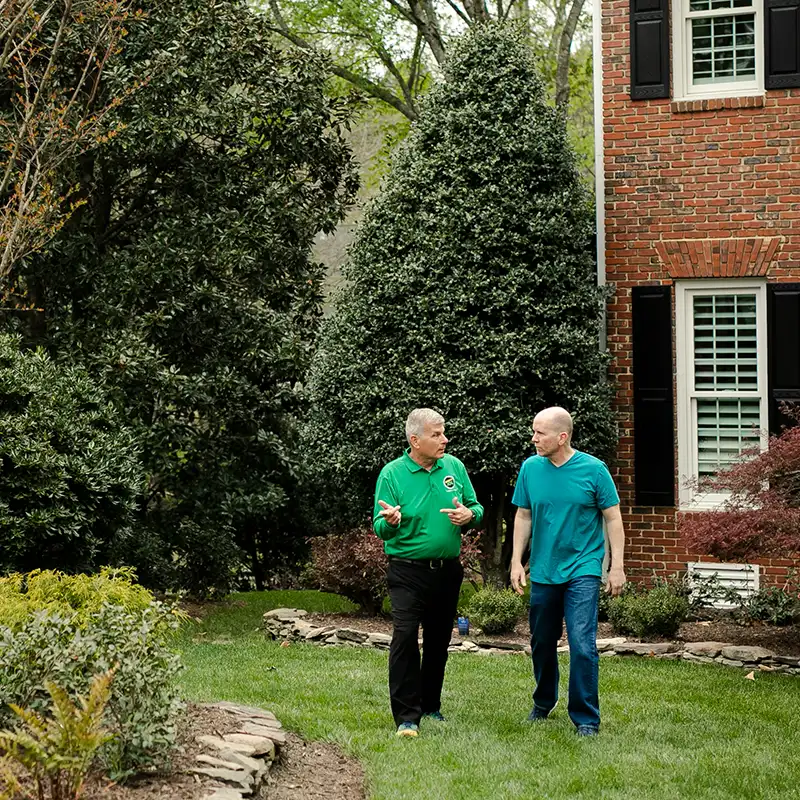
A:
{"x":575,"y":602}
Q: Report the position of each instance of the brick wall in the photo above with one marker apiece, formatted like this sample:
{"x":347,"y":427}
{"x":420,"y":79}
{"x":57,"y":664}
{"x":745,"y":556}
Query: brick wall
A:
{"x":682,"y":179}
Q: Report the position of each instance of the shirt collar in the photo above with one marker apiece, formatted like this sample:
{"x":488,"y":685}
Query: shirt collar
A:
{"x":414,"y":467}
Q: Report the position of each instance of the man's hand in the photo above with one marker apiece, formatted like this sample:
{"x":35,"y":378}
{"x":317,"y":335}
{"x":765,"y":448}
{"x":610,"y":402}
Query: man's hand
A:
{"x":391,"y":514}
{"x":460,"y":515}
{"x":518,"y":577}
{"x":616,"y":581}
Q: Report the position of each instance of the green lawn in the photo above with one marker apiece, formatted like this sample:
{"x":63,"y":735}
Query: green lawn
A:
{"x":670,"y":729}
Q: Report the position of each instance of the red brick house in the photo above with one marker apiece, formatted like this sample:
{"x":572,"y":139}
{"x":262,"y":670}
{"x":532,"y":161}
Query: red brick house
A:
{"x":698,"y":186}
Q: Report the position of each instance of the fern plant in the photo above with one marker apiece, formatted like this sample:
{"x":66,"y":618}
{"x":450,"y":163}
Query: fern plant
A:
{"x":56,"y":750}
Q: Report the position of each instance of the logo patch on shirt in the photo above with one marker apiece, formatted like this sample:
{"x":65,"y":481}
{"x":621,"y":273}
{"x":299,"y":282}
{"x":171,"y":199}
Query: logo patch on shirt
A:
{"x":449,"y":483}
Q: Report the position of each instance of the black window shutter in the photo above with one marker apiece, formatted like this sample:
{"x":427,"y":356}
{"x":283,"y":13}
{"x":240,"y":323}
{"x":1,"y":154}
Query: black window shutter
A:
{"x":653,"y":434}
{"x":649,"y":49}
{"x":783,"y":345}
{"x":782,"y":43}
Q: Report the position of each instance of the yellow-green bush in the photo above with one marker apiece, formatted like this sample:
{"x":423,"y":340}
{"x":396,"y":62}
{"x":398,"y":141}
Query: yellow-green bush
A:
{"x":72,"y":596}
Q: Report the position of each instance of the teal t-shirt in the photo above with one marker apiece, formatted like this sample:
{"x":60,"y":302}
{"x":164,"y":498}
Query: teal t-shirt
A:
{"x":566,"y":505}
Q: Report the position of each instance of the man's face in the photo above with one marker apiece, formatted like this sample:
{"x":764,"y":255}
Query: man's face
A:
{"x":432,"y":442}
{"x":545,"y":437}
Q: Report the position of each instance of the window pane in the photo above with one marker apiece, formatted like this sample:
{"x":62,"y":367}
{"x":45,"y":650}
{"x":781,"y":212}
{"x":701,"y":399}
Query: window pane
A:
{"x":709,"y":5}
{"x":724,"y":429}
{"x":723,"y":48}
{"x":725,"y":342}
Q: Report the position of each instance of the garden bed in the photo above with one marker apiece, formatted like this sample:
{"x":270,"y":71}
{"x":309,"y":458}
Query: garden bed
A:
{"x":780,"y":639}
{"x":313,"y":770}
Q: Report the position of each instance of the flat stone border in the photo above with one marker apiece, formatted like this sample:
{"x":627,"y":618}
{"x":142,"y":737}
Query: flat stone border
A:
{"x":240,"y":761}
{"x":288,"y":625}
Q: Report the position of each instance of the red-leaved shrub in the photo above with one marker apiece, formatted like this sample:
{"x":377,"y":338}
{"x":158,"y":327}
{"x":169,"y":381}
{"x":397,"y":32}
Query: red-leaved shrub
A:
{"x":762,"y":515}
{"x":354,"y":565}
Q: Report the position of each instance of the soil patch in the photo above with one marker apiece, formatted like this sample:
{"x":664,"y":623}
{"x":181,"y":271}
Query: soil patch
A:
{"x":783,"y":640}
{"x":314,"y":771}
{"x":305,"y":769}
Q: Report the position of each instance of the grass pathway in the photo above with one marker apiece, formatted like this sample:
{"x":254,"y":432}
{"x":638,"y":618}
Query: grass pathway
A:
{"x":670,"y":729}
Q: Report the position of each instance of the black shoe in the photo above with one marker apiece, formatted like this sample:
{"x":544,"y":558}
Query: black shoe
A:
{"x":587,"y":730}
{"x":538,"y":714}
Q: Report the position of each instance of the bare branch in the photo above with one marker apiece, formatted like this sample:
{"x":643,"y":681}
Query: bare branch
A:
{"x":460,"y":13}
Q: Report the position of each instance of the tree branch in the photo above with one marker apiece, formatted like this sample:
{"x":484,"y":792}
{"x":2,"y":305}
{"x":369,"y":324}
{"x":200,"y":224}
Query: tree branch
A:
{"x":564,"y":54}
{"x":359,"y":81}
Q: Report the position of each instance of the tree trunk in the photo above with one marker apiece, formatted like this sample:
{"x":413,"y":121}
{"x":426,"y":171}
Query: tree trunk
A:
{"x":497,"y":539}
{"x":564,"y":54}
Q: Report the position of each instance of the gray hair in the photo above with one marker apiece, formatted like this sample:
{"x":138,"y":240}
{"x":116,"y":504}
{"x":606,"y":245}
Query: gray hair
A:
{"x":419,"y":418}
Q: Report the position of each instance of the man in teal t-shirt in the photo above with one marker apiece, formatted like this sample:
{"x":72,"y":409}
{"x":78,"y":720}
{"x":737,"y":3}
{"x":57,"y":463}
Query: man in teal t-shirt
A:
{"x":563,"y":496}
{"x":422,"y":501}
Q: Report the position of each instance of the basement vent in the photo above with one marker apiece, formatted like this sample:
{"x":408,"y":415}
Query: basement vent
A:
{"x":742,"y":578}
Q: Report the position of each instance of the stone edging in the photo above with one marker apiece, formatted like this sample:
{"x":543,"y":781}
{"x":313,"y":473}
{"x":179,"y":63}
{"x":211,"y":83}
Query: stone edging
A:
{"x":240,"y":760}
{"x":287,"y":624}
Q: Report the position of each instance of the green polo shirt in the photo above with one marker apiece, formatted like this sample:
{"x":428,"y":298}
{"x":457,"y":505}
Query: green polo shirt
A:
{"x":424,"y":531}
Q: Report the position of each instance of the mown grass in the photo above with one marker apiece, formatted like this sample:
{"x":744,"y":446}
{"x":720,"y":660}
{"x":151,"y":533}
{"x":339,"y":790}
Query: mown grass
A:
{"x":670,"y":729}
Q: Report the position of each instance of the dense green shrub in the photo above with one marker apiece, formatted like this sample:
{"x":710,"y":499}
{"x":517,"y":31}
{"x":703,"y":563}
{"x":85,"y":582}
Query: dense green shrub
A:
{"x":772,"y":604}
{"x":351,"y":564}
{"x":495,"y":610}
{"x":471,"y":276}
{"x":69,"y":465}
{"x":141,"y":713}
{"x":73,"y":596}
{"x":657,"y":612}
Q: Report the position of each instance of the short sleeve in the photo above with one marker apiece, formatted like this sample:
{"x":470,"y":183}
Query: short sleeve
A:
{"x":521,"y":498}
{"x":605,"y":490}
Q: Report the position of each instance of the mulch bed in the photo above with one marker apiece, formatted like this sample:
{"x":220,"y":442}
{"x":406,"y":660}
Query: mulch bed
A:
{"x":313,"y":770}
{"x":783,"y":640}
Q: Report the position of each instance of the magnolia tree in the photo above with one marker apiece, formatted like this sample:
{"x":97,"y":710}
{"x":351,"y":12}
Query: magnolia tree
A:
{"x":762,"y":514}
{"x":471,"y":289}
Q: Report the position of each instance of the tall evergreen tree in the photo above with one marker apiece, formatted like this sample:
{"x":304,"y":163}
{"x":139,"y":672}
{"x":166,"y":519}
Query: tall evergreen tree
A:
{"x":471,"y":289}
{"x":185,"y":281}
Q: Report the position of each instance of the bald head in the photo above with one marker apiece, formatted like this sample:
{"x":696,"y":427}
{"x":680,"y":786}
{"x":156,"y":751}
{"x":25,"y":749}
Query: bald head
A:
{"x":556,"y":420}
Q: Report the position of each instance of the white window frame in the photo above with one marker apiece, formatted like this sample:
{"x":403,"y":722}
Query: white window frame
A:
{"x":682,"y":55}
{"x":689,"y":498}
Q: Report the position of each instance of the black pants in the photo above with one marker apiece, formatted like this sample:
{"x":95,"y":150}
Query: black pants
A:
{"x":422,"y":593}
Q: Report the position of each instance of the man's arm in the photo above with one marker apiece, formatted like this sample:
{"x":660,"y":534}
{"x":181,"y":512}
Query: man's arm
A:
{"x":386,"y":511}
{"x":616,"y":541}
{"x":522,"y":535}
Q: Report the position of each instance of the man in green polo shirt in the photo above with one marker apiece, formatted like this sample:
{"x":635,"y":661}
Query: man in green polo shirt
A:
{"x":422,"y":501}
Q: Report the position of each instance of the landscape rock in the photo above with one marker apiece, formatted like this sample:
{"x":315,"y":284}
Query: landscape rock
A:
{"x":499,"y":645}
{"x":708,"y":649}
{"x":285,"y":614}
{"x":350,"y":635}
{"x":261,"y":745}
{"x":730,"y":662}
{"x":645,"y":648}
{"x":224,"y":793}
{"x":238,"y":779}
{"x":273,"y":734}
{"x":255,"y":765}
{"x":213,"y":761}
{"x":608,"y":644}
{"x":319,"y":633}
{"x":687,"y":656}
{"x":745,"y":653}
{"x":222,"y":744}
{"x":380,"y":639}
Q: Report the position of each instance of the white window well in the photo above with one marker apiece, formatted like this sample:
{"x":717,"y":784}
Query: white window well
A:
{"x":718,"y":48}
{"x":721,"y":359}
